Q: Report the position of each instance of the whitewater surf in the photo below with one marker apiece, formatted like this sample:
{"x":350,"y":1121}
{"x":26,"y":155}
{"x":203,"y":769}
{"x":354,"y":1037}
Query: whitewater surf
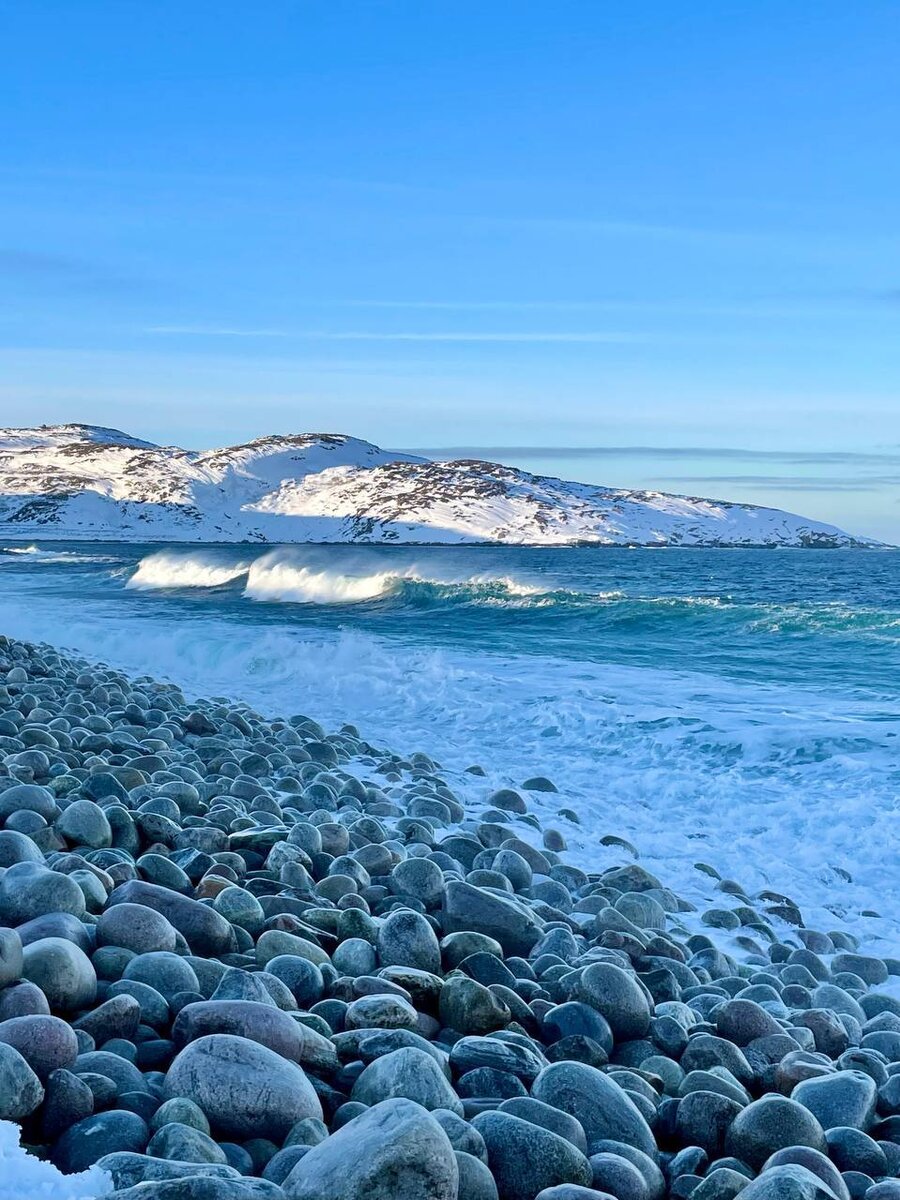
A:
{"x":718,"y":705}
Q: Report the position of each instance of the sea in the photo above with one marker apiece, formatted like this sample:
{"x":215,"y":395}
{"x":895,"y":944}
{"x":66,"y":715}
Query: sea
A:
{"x":727,"y":707}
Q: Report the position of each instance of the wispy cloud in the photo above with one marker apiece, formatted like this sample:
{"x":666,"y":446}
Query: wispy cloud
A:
{"x":677,"y":453}
{"x":214,"y":331}
{"x":365,"y":335}
{"x":793,"y":483}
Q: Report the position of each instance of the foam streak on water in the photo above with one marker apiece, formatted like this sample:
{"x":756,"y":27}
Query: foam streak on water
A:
{"x":735,"y":709}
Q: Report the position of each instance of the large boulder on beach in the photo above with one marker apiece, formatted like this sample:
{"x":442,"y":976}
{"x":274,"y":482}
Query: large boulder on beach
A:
{"x":205,"y":931}
{"x":525,"y":1158}
{"x":64,"y":973}
{"x":11,"y":961}
{"x":46,"y":1043}
{"x":510,"y":922}
{"x":21,"y":1091}
{"x":604,"y":1110}
{"x":244,"y":1089}
{"x":28,"y":890}
{"x":261,"y":1023}
{"x":394,"y":1151}
{"x":409,"y":1073}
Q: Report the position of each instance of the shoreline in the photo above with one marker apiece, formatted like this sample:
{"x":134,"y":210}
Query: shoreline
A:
{"x":271,"y":868}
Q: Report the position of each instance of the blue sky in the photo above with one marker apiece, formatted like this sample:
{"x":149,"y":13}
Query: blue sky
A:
{"x":648,"y":244}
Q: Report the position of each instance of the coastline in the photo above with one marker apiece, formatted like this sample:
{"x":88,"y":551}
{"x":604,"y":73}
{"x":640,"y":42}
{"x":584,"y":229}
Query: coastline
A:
{"x":318,"y":906}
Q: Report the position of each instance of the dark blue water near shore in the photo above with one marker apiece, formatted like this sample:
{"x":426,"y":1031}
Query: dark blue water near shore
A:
{"x":829,"y":618}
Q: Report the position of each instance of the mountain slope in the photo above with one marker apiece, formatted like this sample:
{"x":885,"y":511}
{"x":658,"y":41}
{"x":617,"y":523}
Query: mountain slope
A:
{"x":83,"y":481}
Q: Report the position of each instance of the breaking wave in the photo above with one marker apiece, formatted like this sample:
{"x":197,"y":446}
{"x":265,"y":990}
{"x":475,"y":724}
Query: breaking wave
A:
{"x":294,"y":577}
{"x":287,"y":578}
{"x":159,"y":571}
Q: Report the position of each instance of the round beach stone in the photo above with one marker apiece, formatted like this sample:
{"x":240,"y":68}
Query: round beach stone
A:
{"x":29,"y":890}
{"x":11,"y":961}
{"x":137,"y":928}
{"x":104,"y":1133}
{"x":538,"y":1113}
{"x":67,"y":1100}
{"x":21,"y":1091}
{"x":773,"y":1123}
{"x":64,"y":973}
{"x":168,"y":973}
{"x":475,"y":1180}
{"x":394,"y":1151}
{"x":418,"y":878}
{"x":525,"y":1158}
{"x":470,"y":1007}
{"x":381,"y":1012}
{"x":409,"y":1073}
{"x":844,"y":1098}
{"x":406,"y":939}
{"x":205,"y":931}
{"x":84,"y":823}
{"x":787,"y":1182}
{"x":603,"y":1109}
{"x":244,"y":1089}
{"x":618,"y":997}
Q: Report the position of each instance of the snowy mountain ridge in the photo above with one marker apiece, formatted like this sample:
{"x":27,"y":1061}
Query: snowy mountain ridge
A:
{"x":70,"y":482}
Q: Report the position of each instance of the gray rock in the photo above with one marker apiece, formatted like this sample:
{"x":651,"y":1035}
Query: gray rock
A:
{"x":84,"y":823}
{"x":67,"y":1100}
{"x":135,"y":927}
{"x":205,"y":931}
{"x":704,"y":1118}
{"x":720,"y":1184}
{"x":46,"y":1043}
{"x":167,"y":972}
{"x":475,"y":1180}
{"x":182,"y":1143}
{"x":261,"y":1023}
{"x":128,"y":1169}
{"x":90,"y":1140}
{"x":21,"y":1092}
{"x":508,"y":922}
{"x":10,"y":957}
{"x":469,"y":1007}
{"x":64,"y":973}
{"x":618,"y":997}
{"x":394,"y":1151}
{"x":554,"y":1119}
{"x":603,"y":1109}
{"x":742,"y":1021}
{"x":405,"y":939}
{"x":844,"y":1098}
{"x":381,"y":1012}
{"x":525,"y":1158}
{"x":470,"y":1053}
{"x":244,"y":1089}
{"x":409,"y":1073}
{"x":789,"y":1182}
{"x":814,"y":1161}
{"x":29,"y":890}
{"x":773,"y":1123}
{"x":618,"y":1176}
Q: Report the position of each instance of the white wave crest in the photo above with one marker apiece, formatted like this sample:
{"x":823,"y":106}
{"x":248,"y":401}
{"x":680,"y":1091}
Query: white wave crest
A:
{"x":289,"y":578}
{"x":271,"y":578}
{"x":163,"y":570}
{"x":49,"y":557}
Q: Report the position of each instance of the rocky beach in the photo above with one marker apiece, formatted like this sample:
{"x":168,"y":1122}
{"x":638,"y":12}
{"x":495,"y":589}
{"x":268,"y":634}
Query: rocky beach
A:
{"x":246,"y":958}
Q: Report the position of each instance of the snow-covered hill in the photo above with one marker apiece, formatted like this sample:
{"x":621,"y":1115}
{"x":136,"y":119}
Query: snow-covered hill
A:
{"x":87,"y":482}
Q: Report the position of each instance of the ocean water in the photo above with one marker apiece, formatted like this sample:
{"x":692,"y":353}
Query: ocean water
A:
{"x":738,"y":708}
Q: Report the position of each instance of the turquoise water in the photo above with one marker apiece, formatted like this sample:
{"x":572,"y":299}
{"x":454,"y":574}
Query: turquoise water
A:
{"x":736,"y":706}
